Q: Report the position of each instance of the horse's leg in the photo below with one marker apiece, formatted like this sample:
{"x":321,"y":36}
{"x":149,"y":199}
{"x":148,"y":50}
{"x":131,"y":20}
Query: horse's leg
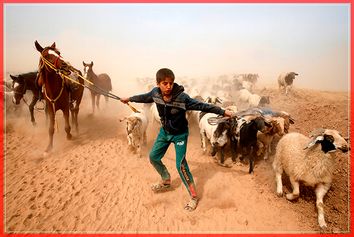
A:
{"x":67,"y":124}
{"x":46,"y":112}
{"x":74,"y":113}
{"x":98,"y":100}
{"x":93,"y":101}
{"x":31,"y":109}
{"x":51,"y":115}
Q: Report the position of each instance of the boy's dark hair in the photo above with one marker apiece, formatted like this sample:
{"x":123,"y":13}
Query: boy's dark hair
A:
{"x":163,"y":73}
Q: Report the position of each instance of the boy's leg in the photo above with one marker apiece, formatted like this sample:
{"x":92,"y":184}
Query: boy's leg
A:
{"x":180,"y":142}
{"x":157,"y":152}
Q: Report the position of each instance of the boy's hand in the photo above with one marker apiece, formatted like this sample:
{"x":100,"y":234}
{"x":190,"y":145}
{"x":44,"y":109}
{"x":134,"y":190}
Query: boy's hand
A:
{"x":229,"y":113}
{"x":124,"y":100}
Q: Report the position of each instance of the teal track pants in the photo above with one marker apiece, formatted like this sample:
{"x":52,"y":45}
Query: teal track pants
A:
{"x":159,"y":149}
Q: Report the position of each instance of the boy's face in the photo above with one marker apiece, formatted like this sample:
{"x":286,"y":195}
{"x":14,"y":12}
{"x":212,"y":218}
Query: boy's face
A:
{"x":166,"y":86}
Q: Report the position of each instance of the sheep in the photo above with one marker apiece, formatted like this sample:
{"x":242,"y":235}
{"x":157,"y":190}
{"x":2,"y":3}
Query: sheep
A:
{"x":265,"y":139}
{"x":285,"y":81}
{"x":243,"y":136}
{"x":270,"y":112}
{"x":309,"y":160}
{"x":247,"y":85}
{"x":136,"y":130}
{"x":252,"y":100}
{"x":256,"y":100}
{"x":244,"y":95}
{"x":216,"y":133}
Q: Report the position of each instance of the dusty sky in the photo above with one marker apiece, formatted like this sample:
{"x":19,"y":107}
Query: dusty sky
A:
{"x":128,"y":41}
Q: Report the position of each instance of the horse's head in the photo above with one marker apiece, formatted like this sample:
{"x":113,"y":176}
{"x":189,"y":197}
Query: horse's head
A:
{"x":51,"y":59}
{"x":87,"y":67}
{"x":18,"y":87}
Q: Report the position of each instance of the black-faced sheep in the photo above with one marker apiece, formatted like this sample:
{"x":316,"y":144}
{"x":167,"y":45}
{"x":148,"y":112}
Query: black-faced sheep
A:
{"x":216,"y":133}
{"x":244,"y":137}
{"x":310,"y":160}
{"x":285,"y":81}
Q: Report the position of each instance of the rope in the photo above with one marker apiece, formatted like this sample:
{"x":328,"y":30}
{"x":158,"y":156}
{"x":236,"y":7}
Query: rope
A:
{"x":96,"y":88}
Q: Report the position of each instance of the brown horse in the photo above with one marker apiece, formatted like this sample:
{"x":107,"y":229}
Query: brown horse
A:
{"x":54,"y":76}
{"x":101,"y":82}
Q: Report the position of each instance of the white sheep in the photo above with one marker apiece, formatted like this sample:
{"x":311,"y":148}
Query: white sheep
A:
{"x":136,"y":130}
{"x":285,"y":81}
{"x":215,"y":133}
{"x":256,"y":100}
{"x":309,"y":160}
{"x":253,"y":100}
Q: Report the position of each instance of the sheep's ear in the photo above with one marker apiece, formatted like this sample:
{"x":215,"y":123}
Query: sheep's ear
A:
{"x":291,"y":120}
{"x":314,"y":141}
{"x":218,"y":100}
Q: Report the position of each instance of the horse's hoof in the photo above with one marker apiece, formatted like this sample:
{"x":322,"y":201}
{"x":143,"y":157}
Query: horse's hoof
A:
{"x":69,"y":136}
{"x":46,"y":154}
{"x":34,"y":124}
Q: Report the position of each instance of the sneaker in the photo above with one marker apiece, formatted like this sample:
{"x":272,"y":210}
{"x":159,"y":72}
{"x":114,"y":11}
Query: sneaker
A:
{"x":160,"y":187}
{"x":192,"y":204}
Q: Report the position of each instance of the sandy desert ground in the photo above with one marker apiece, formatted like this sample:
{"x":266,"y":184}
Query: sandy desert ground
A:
{"x":94,"y":184}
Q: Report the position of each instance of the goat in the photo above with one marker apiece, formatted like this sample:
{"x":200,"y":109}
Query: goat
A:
{"x":217,"y":134}
{"x":244,"y":137}
{"x":285,"y":81}
{"x":310,"y":160}
{"x":136,"y":130}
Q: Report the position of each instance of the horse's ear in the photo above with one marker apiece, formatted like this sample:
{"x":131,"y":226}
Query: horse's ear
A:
{"x":38,"y":46}
{"x":13,"y":77}
{"x":84,"y":63}
{"x":53,"y":45}
{"x":91,"y":63}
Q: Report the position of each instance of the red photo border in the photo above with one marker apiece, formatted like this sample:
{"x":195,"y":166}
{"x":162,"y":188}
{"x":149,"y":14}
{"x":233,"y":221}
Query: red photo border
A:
{"x":2,"y":231}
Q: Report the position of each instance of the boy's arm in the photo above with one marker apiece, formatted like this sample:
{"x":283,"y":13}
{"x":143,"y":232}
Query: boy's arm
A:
{"x":192,"y":104}
{"x":142,"y":98}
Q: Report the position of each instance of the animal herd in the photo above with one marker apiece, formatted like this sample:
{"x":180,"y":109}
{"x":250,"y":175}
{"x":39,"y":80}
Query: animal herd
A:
{"x":255,"y":131}
{"x":250,"y":134}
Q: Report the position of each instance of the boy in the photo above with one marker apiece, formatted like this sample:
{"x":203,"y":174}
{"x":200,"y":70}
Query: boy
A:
{"x":172,"y":104}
